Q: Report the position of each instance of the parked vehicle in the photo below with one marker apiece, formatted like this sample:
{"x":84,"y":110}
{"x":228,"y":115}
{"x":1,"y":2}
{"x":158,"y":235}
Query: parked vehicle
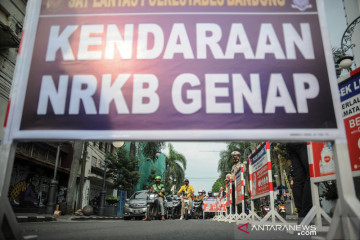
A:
{"x":198,"y":209}
{"x":153,"y":211}
{"x":176,"y":207}
{"x":135,"y":207}
{"x":169,"y":206}
{"x":281,"y":209}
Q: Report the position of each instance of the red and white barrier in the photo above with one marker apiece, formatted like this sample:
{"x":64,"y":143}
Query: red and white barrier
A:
{"x":231,"y":217}
{"x":261,"y":182}
{"x":252,"y":213}
{"x":220,"y":207}
{"x":321,"y":168}
{"x":243,"y":216}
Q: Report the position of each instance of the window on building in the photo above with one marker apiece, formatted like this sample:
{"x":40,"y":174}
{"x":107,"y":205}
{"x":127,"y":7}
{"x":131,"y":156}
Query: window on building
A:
{"x":93,"y":161}
{"x":112,"y":148}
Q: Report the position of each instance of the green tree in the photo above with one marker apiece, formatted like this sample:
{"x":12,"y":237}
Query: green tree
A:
{"x":219,"y":183}
{"x":151,"y":148}
{"x":225,"y":163}
{"x":280,"y":162}
{"x":151,"y":179}
{"x":175,"y":169}
{"x":123,"y":168}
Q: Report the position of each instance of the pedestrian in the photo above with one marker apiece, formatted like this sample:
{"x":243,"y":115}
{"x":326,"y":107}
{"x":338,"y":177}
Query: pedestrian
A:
{"x":301,"y":177}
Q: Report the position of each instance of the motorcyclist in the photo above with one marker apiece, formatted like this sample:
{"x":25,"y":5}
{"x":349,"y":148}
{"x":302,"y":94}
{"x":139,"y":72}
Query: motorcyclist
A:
{"x":190,"y":193}
{"x":278,"y":201}
{"x":201,"y":194}
{"x":160,"y":190}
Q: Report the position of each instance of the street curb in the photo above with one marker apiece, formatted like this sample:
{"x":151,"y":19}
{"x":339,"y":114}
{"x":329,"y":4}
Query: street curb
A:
{"x":84,"y":218}
{"x":21,"y":219}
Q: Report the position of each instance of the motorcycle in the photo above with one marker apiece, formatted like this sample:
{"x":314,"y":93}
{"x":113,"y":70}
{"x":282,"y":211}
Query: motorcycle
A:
{"x":176,"y":208}
{"x":281,"y":209}
{"x":187,"y":208}
{"x":153,"y":211}
{"x":198,"y":209}
{"x":264,"y":209}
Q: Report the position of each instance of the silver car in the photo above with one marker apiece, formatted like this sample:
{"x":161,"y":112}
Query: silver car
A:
{"x":135,"y":207}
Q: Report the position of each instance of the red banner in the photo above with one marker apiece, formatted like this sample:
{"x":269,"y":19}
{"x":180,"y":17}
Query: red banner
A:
{"x":350,"y":101}
{"x":323,"y":159}
{"x":227,"y":195}
{"x":210,"y":205}
{"x":238,"y":187}
{"x":260,"y":178}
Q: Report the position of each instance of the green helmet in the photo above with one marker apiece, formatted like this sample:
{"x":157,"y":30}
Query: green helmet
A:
{"x":158,"y":178}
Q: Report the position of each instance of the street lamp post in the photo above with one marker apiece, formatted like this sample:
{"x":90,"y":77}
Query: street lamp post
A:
{"x":103,"y":191}
{"x":50,"y":207}
{"x":345,"y":61}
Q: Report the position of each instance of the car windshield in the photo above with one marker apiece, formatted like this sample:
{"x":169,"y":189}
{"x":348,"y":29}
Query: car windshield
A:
{"x":139,"y":195}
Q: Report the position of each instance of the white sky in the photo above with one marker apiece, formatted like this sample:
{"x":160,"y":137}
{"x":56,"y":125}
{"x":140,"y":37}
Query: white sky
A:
{"x":202,"y":157}
{"x":202,"y":161}
{"x":336,"y":22}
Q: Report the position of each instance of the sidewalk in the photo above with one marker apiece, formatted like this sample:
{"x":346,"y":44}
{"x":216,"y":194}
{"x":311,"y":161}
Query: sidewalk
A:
{"x":35,"y":217}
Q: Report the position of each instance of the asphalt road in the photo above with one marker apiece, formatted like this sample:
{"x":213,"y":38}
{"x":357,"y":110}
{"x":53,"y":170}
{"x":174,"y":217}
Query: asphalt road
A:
{"x":169,"y":229}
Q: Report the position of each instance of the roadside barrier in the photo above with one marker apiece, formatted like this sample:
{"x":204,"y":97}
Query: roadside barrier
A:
{"x":243,"y":216}
{"x":220,"y":207}
{"x":261,"y":182}
{"x":231,"y":217}
{"x":321,"y":168}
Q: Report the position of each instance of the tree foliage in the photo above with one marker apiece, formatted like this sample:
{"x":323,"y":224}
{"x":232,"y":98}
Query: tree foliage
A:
{"x":150,"y":179}
{"x":225,"y":163}
{"x":280,"y":162}
{"x":124,"y":170}
{"x":219,"y":183}
{"x":175,"y":169}
{"x":151,"y":148}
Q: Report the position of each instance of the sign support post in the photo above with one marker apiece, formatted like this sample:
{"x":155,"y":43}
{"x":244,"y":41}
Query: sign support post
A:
{"x":346,"y":220}
{"x":9,"y":227}
{"x":243,"y":215}
{"x":316,"y":210}
{"x":252,"y":213}
{"x":231,"y":217}
{"x":272,"y":213}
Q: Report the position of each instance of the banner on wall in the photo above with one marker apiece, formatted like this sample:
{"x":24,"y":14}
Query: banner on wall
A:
{"x":172,"y":70}
{"x":260,"y":178}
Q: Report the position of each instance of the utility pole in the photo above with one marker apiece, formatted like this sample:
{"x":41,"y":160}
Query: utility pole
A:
{"x":103,"y":192}
{"x":50,"y":207}
{"x":73,"y":176}
{"x":82,"y":176}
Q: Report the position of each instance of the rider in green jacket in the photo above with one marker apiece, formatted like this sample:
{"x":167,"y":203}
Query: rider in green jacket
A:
{"x":160,"y":190}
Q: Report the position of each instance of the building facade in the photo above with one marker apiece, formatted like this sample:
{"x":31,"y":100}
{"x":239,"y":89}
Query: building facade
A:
{"x":33,"y":171}
{"x":94,"y":174}
{"x":12,"y":14}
